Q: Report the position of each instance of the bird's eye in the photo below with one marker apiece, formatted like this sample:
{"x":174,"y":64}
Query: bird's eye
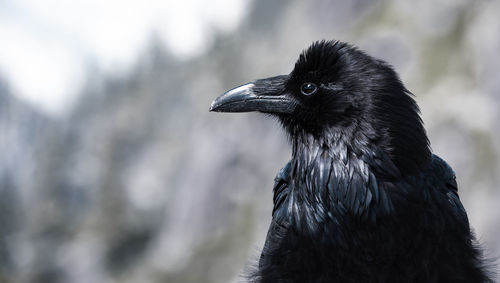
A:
{"x":308,"y":89}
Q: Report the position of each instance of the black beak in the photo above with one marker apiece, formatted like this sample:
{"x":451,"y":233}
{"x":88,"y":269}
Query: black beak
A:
{"x":266,"y":95}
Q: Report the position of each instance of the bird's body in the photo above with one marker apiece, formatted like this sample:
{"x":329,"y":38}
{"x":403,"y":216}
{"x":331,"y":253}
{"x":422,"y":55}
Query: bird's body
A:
{"x":362,"y":228}
{"x":362,"y":199}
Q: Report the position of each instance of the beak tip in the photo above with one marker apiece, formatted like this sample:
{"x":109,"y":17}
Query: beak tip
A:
{"x":213,"y":107}
{"x":238,"y":94}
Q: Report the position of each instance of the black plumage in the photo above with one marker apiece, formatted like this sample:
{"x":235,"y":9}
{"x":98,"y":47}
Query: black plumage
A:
{"x":362,"y":199}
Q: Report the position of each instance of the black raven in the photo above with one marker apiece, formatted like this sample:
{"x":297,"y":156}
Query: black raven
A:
{"x":362,"y":199}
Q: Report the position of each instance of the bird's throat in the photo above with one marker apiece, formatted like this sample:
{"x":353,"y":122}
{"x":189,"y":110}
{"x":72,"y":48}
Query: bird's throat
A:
{"x":330,"y":182}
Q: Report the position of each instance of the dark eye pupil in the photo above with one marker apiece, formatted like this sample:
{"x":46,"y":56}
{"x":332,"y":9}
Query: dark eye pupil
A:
{"x":308,"y":88}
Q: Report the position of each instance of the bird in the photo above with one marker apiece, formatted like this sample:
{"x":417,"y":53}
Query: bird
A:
{"x":363,"y":197}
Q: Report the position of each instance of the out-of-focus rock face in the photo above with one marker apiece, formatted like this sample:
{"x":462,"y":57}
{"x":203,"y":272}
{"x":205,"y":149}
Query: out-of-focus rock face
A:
{"x":140,"y":183}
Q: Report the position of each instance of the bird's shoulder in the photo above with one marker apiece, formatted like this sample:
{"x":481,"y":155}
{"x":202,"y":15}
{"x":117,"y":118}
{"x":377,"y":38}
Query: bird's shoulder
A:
{"x":280,"y":188}
{"x":440,"y":172}
{"x":441,"y":180}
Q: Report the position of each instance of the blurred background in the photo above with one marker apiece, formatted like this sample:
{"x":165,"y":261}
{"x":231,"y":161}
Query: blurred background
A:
{"x":113,"y":170}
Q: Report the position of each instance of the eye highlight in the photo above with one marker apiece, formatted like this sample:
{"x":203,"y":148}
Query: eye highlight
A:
{"x":308,"y":89}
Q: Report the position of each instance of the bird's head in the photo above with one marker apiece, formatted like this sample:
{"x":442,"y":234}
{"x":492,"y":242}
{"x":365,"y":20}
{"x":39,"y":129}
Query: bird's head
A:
{"x":337,"y":88}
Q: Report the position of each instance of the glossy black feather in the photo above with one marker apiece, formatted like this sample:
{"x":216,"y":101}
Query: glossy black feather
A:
{"x":362,"y":199}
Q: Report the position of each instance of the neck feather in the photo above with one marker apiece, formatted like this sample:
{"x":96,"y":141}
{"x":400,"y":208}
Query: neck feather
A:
{"x":335,"y":176}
